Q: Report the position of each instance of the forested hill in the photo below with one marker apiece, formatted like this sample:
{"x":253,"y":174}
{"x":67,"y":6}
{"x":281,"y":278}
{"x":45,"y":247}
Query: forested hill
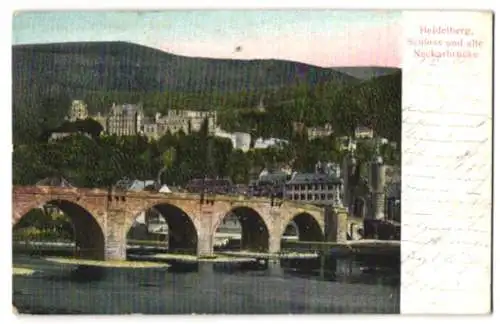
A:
{"x":119,"y":66}
{"x":47,"y":77}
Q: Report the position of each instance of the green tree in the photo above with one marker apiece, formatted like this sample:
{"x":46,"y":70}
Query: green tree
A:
{"x":239,"y":167}
{"x":168,"y":159}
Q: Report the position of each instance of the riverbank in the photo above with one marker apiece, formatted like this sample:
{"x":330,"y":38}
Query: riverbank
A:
{"x":186,"y":258}
{"x":270,"y":256}
{"x":23,"y":265}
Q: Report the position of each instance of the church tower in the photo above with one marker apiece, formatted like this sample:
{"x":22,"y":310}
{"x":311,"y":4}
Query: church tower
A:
{"x":377,"y":185}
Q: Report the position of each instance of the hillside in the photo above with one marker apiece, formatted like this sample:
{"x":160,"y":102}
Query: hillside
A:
{"x":119,"y":66}
{"x":46,"y":77}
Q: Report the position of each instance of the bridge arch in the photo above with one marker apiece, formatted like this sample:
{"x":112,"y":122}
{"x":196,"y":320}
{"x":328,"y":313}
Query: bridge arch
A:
{"x":255,"y":229}
{"x":88,"y":230}
{"x":183,"y":227}
{"x":308,"y":227}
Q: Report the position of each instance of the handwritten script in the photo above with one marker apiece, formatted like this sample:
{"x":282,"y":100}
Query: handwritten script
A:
{"x":446,"y":163}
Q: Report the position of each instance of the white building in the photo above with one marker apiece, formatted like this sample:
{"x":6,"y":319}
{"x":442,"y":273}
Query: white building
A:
{"x":319,"y":131}
{"x":240,"y":140}
{"x":363,"y":132}
{"x":261,"y":143}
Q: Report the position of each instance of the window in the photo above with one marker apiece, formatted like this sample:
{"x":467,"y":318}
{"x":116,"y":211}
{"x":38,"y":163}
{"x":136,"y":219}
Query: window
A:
{"x":309,"y":197}
{"x":302,"y":197}
{"x":330,"y":196}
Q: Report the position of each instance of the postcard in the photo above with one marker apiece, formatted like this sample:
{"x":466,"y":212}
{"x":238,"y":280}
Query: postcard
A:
{"x":251,"y":162}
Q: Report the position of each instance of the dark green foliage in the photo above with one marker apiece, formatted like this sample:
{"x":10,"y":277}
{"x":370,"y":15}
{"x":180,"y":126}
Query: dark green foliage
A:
{"x":47,"y":77}
{"x":101,"y":162}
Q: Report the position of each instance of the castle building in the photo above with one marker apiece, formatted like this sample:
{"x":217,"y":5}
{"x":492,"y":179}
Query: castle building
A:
{"x":188,"y":121}
{"x":77,"y":111}
{"x":175,"y":121}
{"x":125,"y":120}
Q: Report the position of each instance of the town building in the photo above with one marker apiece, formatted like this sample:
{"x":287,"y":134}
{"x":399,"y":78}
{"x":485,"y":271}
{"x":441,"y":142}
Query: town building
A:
{"x":239,"y":140}
{"x":135,"y":185}
{"x":242,"y":141}
{"x":262,"y":143}
{"x":323,"y":187}
{"x":363,"y":132}
{"x":270,"y":183}
{"x":319,"y":131}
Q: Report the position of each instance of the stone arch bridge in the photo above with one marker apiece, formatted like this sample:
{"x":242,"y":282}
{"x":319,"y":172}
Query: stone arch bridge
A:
{"x":102,"y":218}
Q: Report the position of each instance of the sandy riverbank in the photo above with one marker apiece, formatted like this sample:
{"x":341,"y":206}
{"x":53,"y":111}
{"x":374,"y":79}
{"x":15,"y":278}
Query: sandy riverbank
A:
{"x":190,"y":258}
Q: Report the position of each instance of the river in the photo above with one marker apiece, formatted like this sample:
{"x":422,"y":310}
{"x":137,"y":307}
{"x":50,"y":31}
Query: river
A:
{"x":291,"y":286}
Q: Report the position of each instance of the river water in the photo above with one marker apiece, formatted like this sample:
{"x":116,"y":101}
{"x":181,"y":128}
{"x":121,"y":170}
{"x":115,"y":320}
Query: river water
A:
{"x":291,"y":286}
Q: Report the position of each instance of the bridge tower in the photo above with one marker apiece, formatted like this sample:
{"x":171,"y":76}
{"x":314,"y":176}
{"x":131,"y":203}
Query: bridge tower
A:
{"x":377,"y":185}
{"x":349,"y":166}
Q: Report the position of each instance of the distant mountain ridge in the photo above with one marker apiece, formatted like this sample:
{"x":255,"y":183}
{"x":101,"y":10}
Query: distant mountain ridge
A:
{"x":366,"y":72}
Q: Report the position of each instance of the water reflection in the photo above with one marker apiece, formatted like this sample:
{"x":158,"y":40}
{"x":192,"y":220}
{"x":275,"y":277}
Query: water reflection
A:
{"x":318,"y":285}
{"x":86,"y":273}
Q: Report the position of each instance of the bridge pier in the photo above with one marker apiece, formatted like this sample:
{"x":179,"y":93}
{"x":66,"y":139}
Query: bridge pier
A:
{"x":274,"y":243}
{"x":205,"y":237}
{"x":115,"y":250}
{"x":205,"y":246}
{"x":115,"y":243}
{"x":335,"y":224}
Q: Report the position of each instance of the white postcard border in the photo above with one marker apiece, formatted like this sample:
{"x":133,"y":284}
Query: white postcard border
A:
{"x":6,"y":142}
